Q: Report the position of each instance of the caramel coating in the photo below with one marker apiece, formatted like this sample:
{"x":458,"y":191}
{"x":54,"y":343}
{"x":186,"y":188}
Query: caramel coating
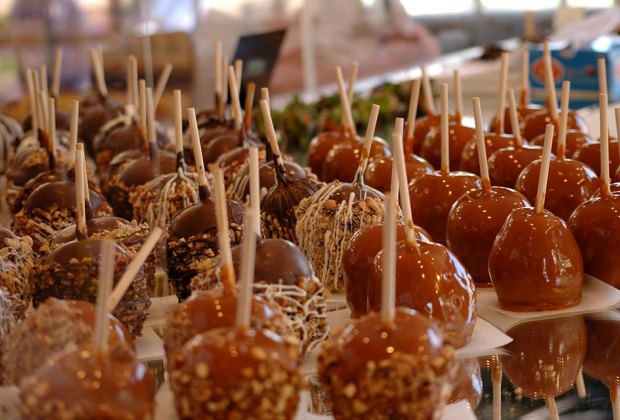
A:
{"x":87,"y":383}
{"x":432,"y":196}
{"x":397,"y":370}
{"x":467,"y":383}
{"x":535,"y":123}
{"x":319,"y":147}
{"x":217,"y":308}
{"x":535,"y":263}
{"x":574,"y":140}
{"x":506,"y":164}
{"x":52,"y":328}
{"x":459,"y":136}
{"x":590,"y":154}
{"x":342,"y":162}
{"x":476,"y":218}
{"x":434,"y":283}
{"x":378,"y":174}
{"x":358,"y":262}
{"x":570,"y":183}
{"x":603,"y":350}
{"x":596,"y":226}
{"x":228,"y":373}
{"x":469,"y":158}
{"x":424,"y":125}
{"x":522,"y":112}
{"x":545,"y":356}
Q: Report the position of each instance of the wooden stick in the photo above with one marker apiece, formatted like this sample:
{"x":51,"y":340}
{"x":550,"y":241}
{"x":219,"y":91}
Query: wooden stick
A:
{"x":346,"y":106}
{"x":238,"y":73}
{"x":458,"y":97}
{"x":199,"y":162}
{"x":270,"y":131}
{"x":249,"y":106}
{"x":135,"y":89}
{"x":581,"y":385}
{"x":501,"y":99}
{"x":514,"y":119}
{"x":43,"y":76}
{"x":57,"y":73}
{"x":445,"y":131}
{"x":234,"y":95}
{"x":414,"y":98}
{"x":150,"y":115}
{"x":142,"y":103}
{"x":104,"y":287}
{"x":394,"y":181}
{"x":602,"y":75}
{"x":73,"y":133}
{"x":80,"y":223}
{"x":525,"y":78}
{"x":399,"y":163}
{"x":224,"y":96}
{"x":44,"y":111}
{"x":351,"y":91}
{"x":41,"y":120}
{"x":51,"y":123}
{"x":604,"y":140}
{"x":370,"y":134}
{"x":133,"y":268}
{"x":550,"y":83}
{"x":244,"y":303}
{"x":98,"y":69}
{"x":223,"y":237}
{"x":429,"y":100}
{"x":561,"y":149}
{"x":529,"y":25}
{"x":553,"y":408}
{"x":218,"y":70}
{"x":255,"y":185}
{"x":388,"y":260}
{"x":33,"y":103}
{"x":481,"y":145}
{"x":264,"y":94}
{"x":497,"y":391}
{"x":161,"y":84}
{"x":544,"y":170}
{"x":87,"y":204}
{"x":178,"y":122}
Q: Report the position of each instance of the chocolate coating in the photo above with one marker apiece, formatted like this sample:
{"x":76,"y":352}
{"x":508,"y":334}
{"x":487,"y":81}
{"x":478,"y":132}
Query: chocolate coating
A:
{"x":140,"y":171}
{"x":34,"y":183}
{"x":239,"y":189}
{"x":378,"y":174}
{"x":506,"y":164}
{"x":63,"y":121}
{"x":469,"y":158}
{"x":535,"y":123}
{"x":432,"y":196}
{"x":93,"y":118}
{"x":436,"y":284}
{"x":574,"y":140}
{"x":219,"y":146}
{"x":570,"y":183}
{"x":535,"y":263}
{"x":596,"y":226}
{"x":459,"y":136}
{"x":342,"y":162}
{"x":319,"y":147}
{"x":476,"y":218}
{"x":87,"y":383}
{"x":545,"y":356}
{"x":590,"y":154}
{"x":358,"y":262}
{"x":59,"y":195}
{"x":200,"y":219}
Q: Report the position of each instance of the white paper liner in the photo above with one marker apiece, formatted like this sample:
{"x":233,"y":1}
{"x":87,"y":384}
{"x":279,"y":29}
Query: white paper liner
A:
{"x":596,"y":296}
{"x":149,"y":346}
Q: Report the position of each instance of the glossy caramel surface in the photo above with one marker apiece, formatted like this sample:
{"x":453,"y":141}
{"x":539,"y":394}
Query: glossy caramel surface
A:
{"x":319,"y":148}
{"x":432,"y":197}
{"x":574,"y":140}
{"x":570,"y":183}
{"x":506,"y":164}
{"x":459,"y":136}
{"x":378,"y":174}
{"x":590,"y":154}
{"x":535,"y":263}
{"x":342,"y":161}
{"x":535,"y":123}
{"x":469,"y":161}
{"x":596,"y":226}
{"x":473,"y":224}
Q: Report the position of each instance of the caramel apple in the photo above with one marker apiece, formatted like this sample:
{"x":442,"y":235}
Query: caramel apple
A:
{"x":391,"y":369}
{"x":574,"y":140}
{"x":478,"y":216}
{"x":570,"y":182}
{"x":596,"y":222}
{"x":341,"y":163}
{"x":493,"y":142}
{"x":320,"y":146}
{"x":534,"y":124}
{"x":459,"y":137}
{"x":590,"y":154}
{"x":545,"y":356}
{"x":467,"y":383}
{"x":16,"y":266}
{"x":89,"y":383}
{"x":11,"y":133}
